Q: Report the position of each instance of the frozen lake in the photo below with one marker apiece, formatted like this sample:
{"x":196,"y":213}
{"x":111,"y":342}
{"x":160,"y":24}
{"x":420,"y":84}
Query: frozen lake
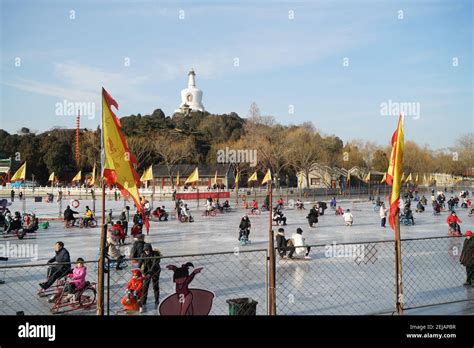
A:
{"x":323,"y":285}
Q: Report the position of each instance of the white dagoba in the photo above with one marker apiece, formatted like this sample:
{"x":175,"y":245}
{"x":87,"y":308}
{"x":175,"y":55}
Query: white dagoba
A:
{"x":191,"y":97}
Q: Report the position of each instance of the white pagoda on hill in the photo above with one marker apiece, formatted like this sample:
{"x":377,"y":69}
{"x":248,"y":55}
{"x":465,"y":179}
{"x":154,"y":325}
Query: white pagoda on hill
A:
{"x":191,"y":97}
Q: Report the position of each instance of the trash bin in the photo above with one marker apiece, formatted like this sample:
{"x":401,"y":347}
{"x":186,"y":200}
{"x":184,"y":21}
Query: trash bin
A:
{"x":249,"y":193}
{"x":242,"y":306}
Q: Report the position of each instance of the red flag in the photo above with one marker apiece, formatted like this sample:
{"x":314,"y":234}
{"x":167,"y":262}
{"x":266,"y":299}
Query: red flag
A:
{"x":162,"y":183}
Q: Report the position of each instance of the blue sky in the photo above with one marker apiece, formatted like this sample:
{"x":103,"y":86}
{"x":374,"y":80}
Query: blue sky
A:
{"x":282,"y":61}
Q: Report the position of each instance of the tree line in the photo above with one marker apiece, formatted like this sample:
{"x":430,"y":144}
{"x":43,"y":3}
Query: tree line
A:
{"x":196,"y":138}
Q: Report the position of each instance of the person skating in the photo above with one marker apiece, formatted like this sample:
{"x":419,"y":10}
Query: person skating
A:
{"x":61,"y":267}
{"x":113,"y":250}
{"x":420,"y":207}
{"x":244,"y":229}
{"x":313,"y":215}
{"x":348,"y":217}
{"x":151,"y":272}
{"x":383,"y":214}
{"x":301,"y":249}
{"x":131,"y":301}
{"x":453,"y":221}
{"x":69,"y":216}
{"x":467,"y":258}
{"x":283,"y":245}
{"x":88,"y":216}
{"x":137,"y":248}
{"x":278,"y":217}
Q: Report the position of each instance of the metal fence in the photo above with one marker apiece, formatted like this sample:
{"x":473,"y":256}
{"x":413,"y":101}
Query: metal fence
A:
{"x":229,"y":275}
{"x":339,"y":279}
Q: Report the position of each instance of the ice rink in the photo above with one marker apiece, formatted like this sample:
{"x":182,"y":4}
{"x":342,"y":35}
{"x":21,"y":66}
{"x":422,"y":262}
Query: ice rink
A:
{"x":323,"y":285}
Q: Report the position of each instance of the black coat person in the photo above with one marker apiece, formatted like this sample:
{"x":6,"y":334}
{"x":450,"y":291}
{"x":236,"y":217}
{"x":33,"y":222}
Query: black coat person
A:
{"x":244,"y":227}
{"x":151,"y":270}
{"x":69,"y":214}
{"x":467,"y":258}
{"x":313,"y":216}
{"x":61,"y":266}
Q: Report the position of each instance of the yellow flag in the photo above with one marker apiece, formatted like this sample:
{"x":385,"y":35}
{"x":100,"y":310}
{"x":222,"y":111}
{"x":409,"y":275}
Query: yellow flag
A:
{"x":193,"y":177}
{"x":267,"y":177}
{"x":215,"y":179}
{"x":367,"y":178}
{"x":236,"y":183}
{"x":300,"y":180}
{"x":416,"y":178}
{"x":395,"y":170}
{"x":77,"y":177}
{"x":253,"y":177}
{"x":177,"y":179}
{"x":147,"y":174}
{"x":384,"y":179}
{"x":92,"y":182}
{"x":51,"y":177}
{"x":403,"y":177}
{"x":20,"y":173}
{"x":118,"y":161}
{"x":409,"y":178}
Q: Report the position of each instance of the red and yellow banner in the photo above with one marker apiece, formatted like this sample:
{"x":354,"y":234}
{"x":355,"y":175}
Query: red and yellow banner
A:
{"x":118,"y":163}
{"x":395,"y":171}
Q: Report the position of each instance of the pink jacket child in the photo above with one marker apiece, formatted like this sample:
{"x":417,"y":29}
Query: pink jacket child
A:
{"x":78,"y":275}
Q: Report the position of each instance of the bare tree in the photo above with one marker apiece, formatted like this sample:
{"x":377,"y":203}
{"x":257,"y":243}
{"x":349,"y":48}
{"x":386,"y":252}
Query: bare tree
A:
{"x":173,"y":149}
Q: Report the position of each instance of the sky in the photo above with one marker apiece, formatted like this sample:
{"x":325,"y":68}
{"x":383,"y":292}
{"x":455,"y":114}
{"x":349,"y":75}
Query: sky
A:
{"x":338,"y":64}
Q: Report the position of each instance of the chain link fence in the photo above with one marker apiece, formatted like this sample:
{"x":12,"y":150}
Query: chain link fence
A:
{"x":339,"y":279}
{"x":19,"y":290}
{"x":228,"y":275}
{"x":432,"y":273}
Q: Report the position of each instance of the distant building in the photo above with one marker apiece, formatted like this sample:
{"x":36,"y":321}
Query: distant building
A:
{"x":225,"y":174}
{"x":5,"y":170}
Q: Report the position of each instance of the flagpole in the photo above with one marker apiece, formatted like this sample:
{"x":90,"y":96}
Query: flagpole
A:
{"x":398,"y":266}
{"x":271,"y":260}
{"x":100,"y":275}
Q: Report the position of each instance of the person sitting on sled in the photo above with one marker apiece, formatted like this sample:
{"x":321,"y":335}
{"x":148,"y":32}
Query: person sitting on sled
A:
{"x":131,"y":301}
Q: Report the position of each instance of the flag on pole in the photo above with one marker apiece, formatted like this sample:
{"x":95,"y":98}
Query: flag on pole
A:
{"x":162,"y":183}
{"x":267,"y":177}
{"x":416,"y":178}
{"x":51,"y":177}
{"x":92,"y":183}
{"x":177,"y":179}
{"x":253,"y":177}
{"x":395,"y":170}
{"x":20,"y":173}
{"x":215,"y":179}
{"x":409,"y":178}
{"x":147,"y":174}
{"x":236,"y":182}
{"x":384,"y":179}
{"x":403,"y":177}
{"x":193,"y":177}
{"x":118,"y":161}
{"x":300,"y":180}
{"x":348,"y":177}
{"x":367,"y":177}
{"x":77,"y":177}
